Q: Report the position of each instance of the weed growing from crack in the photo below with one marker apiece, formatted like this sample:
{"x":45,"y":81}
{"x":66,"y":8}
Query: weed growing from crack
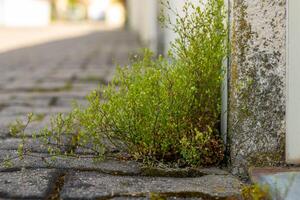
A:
{"x":163,"y":110}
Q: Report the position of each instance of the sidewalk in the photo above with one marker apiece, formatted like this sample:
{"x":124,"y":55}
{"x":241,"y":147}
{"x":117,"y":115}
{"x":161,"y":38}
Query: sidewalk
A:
{"x":43,"y":71}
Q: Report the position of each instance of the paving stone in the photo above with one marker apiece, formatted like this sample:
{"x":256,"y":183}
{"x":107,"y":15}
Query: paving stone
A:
{"x":30,"y":102}
{"x":29,"y":184}
{"x":85,"y":87}
{"x":5,"y":98}
{"x":33,"y":127}
{"x":36,"y":126}
{"x":182,"y":172}
{"x":31,"y":145}
{"x":24,"y":110}
{"x":86,"y":163}
{"x":94,"y":75}
{"x":5,"y":122}
{"x":20,"y":85}
{"x":89,"y":185}
{"x":32,"y":95}
{"x":65,"y":102}
{"x":34,"y":161}
{"x":64,"y":74}
{"x":110,"y":149}
{"x":42,"y":160}
{"x":42,"y":101}
{"x":4,"y":132}
{"x":45,"y":86}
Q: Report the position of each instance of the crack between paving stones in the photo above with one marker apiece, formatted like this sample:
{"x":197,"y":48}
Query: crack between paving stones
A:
{"x":103,"y":171}
{"x":2,"y":106}
{"x":58,"y":183}
{"x":53,"y":192}
{"x":112,"y":173}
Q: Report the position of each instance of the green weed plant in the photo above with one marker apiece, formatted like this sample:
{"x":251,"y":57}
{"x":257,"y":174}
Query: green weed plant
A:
{"x":157,"y":109}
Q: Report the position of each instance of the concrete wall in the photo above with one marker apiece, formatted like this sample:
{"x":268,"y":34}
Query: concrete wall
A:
{"x":257,"y":95}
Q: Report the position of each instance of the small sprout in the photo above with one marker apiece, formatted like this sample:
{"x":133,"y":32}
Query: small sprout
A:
{"x":21,"y":151}
{"x":38,"y":117}
{"x":7,"y":163}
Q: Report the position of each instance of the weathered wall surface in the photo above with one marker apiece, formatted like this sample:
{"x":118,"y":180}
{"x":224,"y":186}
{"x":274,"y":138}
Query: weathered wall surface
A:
{"x":257,"y":83}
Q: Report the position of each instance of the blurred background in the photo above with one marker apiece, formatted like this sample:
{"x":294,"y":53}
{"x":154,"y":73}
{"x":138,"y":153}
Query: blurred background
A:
{"x":139,"y":16}
{"x":31,"y":22}
{"x":16,"y":13}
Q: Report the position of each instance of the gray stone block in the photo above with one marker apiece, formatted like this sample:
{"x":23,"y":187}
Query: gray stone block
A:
{"x":257,"y":85}
{"x":30,"y":144}
{"x":42,"y":160}
{"x":90,"y":185}
{"x":29,"y":184}
{"x":14,"y":111}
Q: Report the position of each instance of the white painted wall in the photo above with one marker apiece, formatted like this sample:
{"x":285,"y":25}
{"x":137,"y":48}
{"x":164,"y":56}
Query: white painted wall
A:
{"x":293,"y":85}
{"x":25,"y":12}
{"x":143,"y":17}
{"x":169,"y":35}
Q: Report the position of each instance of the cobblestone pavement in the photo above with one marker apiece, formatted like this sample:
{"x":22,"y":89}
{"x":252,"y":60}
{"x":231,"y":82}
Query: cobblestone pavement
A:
{"x":45,"y":79}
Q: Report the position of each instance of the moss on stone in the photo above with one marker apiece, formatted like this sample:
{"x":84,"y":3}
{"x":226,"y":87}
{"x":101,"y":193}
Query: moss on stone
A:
{"x":256,"y":99}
